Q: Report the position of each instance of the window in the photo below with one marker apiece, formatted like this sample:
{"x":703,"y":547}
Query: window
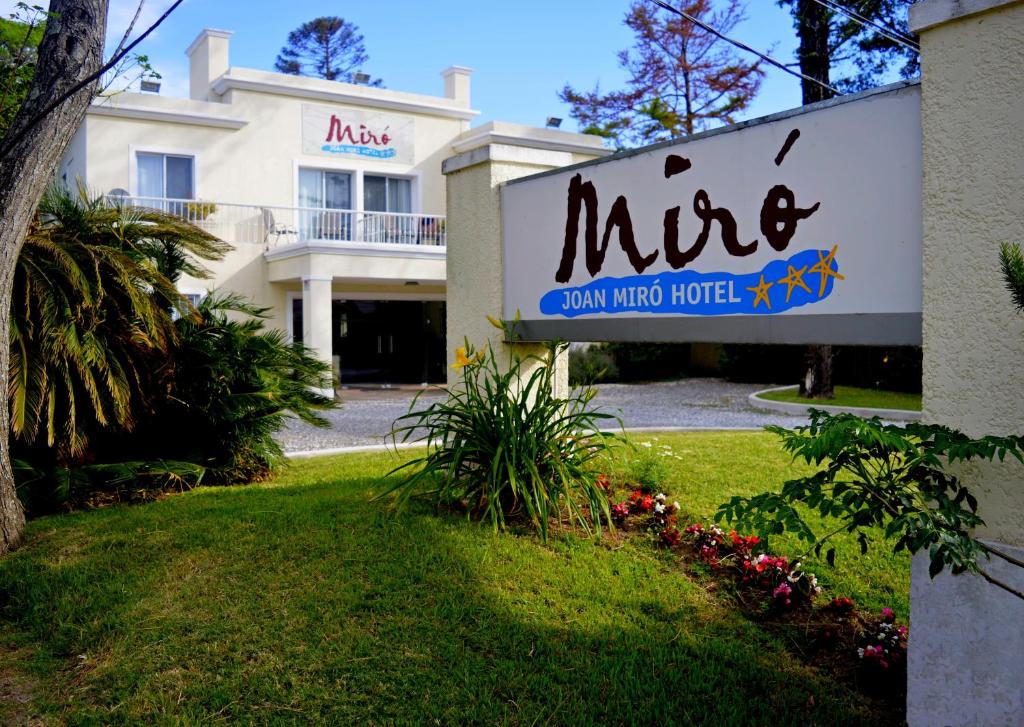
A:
{"x":321,"y":190}
{"x":325,"y":190}
{"x":166,"y":176}
{"x":193,"y":298}
{"x":390,"y":195}
{"x":387,"y":194}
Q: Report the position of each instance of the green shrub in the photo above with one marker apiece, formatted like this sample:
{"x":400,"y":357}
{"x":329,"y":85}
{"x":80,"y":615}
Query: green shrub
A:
{"x":875,"y":475}
{"x":231,"y":385}
{"x":591,"y":365}
{"x":121,"y":389}
{"x":506,"y":447}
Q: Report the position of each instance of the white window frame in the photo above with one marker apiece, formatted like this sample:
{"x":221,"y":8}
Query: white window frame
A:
{"x":413,"y":201}
{"x":133,"y":165}
{"x":338,"y":165}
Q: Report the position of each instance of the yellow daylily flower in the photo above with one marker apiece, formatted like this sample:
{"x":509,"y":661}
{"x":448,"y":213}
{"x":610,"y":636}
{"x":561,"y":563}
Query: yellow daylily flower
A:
{"x":462,"y":359}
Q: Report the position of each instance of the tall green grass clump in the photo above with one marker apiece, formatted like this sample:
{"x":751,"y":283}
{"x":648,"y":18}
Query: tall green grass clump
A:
{"x":505,"y":445}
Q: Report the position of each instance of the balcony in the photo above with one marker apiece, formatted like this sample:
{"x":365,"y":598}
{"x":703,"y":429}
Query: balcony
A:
{"x":273,"y":227}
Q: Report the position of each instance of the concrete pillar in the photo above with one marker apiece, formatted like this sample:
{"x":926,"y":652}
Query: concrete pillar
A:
{"x":475,"y":272}
{"x":967,"y":637}
{"x":316,"y":317}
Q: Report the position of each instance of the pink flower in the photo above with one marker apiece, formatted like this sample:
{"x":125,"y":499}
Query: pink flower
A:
{"x":887,"y":613}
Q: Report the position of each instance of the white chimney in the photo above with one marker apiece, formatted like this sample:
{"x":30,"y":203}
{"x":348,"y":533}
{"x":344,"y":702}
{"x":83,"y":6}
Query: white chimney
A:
{"x":456,"y":84}
{"x":208,"y":61}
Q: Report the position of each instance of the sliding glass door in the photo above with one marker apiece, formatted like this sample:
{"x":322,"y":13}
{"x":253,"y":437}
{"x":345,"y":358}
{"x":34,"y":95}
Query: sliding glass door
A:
{"x":326,"y":199}
{"x":389,"y":195}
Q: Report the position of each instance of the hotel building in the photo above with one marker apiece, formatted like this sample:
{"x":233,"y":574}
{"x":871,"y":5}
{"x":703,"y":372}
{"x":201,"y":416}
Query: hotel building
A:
{"x":331,"y":194}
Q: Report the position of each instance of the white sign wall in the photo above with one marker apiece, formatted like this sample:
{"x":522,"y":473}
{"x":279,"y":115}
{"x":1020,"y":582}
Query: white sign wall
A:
{"x":335,"y":131}
{"x":804,"y":227}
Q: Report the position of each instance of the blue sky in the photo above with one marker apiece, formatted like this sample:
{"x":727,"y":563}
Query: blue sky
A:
{"x":522,"y":52}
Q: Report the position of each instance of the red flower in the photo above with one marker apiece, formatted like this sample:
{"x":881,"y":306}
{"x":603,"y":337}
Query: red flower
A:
{"x":670,"y":537}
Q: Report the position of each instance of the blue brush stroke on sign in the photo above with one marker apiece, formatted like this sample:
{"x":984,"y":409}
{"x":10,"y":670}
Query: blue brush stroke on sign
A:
{"x":702,"y":294}
{"x":360,"y":150}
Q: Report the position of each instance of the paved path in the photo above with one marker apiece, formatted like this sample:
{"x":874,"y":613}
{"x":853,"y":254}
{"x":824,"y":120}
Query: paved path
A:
{"x":365,"y":416}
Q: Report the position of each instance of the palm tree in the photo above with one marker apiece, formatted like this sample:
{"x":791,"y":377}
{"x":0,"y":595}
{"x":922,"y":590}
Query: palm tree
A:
{"x":92,"y":302}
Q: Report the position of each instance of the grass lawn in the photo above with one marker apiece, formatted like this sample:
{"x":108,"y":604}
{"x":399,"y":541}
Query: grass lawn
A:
{"x":297,"y":601}
{"x":853,"y":396}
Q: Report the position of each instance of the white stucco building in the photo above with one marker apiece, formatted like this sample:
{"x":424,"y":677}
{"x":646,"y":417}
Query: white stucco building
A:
{"x":331,"y":193}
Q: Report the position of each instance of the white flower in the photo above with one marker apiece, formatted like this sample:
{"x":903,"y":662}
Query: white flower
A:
{"x":675,"y":506}
{"x":660,"y":497}
{"x":860,"y":653}
{"x":659,"y":508}
{"x":645,"y":444}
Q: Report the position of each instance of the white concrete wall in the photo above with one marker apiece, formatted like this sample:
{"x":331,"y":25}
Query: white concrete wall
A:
{"x":73,"y":166}
{"x":967,"y":637}
{"x":258,"y":163}
{"x":475,"y":267}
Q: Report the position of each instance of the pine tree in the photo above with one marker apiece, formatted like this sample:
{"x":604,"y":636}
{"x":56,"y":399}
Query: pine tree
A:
{"x":328,"y":47}
{"x":682,"y":79}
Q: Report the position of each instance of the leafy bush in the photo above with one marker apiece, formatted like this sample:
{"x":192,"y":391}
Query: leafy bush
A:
{"x":503,"y":446}
{"x":89,"y":312}
{"x":230,"y":386}
{"x":876,"y":475}
{"x":591,"y":365}
{"x":101,"y":372}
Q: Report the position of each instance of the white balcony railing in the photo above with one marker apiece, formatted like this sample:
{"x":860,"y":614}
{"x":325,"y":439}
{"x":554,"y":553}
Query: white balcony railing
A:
{"x":272,"y":226}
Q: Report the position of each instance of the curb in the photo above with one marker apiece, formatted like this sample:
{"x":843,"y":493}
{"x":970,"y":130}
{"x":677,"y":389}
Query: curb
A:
{"x":896,"y":415}
{"x":302,"y":454}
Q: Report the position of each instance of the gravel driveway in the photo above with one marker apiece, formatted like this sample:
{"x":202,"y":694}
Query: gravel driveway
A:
{"x":365,"y":416}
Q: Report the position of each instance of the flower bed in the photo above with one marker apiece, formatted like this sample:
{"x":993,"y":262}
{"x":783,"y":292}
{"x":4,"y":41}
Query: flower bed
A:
{"x":869,"y":649}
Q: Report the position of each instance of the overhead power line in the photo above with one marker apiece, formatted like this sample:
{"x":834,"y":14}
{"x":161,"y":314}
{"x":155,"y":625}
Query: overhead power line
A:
{"x":747,"y":48}
{"x":894,"y":35}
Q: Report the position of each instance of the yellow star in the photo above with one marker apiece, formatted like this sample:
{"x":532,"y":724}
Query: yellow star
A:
{"x":824,"y":266}
{"x":794,"y":279}
{"x":760,"y":292}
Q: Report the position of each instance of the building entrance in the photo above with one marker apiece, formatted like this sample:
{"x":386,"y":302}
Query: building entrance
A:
{"x":386,"y":341}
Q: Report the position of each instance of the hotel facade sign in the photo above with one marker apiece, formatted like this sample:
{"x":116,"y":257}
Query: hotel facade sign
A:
{"x":800,"y":228}
{"x":342,"y":132}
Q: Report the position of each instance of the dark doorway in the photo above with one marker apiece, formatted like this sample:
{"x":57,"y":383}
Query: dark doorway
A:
{"x":386,"y":341}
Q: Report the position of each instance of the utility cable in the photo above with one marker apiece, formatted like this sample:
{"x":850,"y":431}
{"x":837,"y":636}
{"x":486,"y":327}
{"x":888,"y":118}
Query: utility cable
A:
{"x":894,"y":35}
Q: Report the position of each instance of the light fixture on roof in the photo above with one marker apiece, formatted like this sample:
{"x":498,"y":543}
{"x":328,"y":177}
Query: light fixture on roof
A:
{"x":149,"y":86}
{"x":554,"y":122}
{"x":360,"y":78}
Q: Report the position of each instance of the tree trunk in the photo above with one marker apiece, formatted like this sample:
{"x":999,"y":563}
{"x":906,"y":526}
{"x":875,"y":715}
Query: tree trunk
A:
{"x":812,"y":27}
{"x":817,"y":383}
{"x":71,"y":50}
{"x":812,"y":23}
